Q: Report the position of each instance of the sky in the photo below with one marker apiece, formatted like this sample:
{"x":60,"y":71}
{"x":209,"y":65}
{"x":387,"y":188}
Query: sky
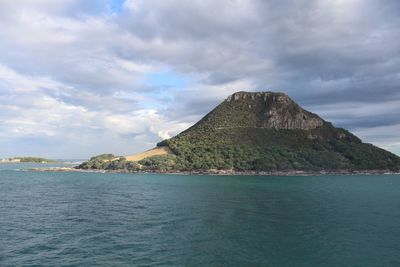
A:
{"x":80,"y":78}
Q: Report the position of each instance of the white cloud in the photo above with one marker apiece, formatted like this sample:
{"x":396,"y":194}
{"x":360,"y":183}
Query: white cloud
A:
{"x":29,"y":113}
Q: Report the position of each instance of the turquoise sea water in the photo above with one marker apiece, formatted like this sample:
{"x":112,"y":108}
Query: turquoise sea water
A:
{"x":86,"y":219}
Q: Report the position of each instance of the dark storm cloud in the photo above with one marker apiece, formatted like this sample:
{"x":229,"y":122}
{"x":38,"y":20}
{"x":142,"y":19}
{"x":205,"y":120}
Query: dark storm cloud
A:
{"x":318,"y":51}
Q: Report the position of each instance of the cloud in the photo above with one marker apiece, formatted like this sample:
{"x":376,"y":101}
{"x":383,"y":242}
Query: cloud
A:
{"x":118,"y":76}
{"x":35,"y":120}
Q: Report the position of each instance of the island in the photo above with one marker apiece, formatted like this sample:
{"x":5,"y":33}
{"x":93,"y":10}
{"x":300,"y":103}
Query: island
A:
{"x":256,"y":132}
{"x":27,"y":160}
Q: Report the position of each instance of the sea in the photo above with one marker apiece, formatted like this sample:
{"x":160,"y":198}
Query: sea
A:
{"x":104,"y":219}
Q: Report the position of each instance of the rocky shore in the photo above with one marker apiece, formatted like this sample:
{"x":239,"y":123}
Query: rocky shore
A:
{"x":224,"y":172}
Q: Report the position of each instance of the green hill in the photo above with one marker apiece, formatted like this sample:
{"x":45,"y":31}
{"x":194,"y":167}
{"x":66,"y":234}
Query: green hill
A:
{"x":268,"y":131}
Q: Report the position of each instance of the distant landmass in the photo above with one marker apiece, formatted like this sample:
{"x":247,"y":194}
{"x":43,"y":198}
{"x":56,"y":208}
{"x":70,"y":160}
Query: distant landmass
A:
{"x":258,"y":132}
{"x":27,"y":160}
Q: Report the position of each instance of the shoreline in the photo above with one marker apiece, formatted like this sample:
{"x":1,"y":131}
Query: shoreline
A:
{"x":226,"y":172}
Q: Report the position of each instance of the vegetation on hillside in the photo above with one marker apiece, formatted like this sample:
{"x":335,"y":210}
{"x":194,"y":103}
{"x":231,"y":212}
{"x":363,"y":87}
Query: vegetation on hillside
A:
{"x":111,"y":162}
{"x":276,"y":150}
{"x":159,"y":163}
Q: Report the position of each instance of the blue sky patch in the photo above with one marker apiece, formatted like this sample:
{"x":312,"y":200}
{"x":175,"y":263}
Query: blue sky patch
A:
{"x":166,"y":79}
{"x":116,"y":5}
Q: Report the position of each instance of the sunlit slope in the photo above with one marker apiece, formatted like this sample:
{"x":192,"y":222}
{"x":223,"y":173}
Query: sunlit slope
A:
{"x":158,"y":151}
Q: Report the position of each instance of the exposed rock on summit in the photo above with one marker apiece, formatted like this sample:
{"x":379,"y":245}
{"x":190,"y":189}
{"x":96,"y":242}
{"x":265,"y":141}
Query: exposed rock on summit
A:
{"x":275,"y":110}
{"x":266,"y":110}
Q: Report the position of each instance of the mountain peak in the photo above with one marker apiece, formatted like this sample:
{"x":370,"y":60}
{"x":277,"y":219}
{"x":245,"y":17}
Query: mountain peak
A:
{"x":269,"y":110}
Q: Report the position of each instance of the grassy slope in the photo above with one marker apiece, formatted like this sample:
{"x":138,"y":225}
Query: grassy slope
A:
{"x":158,"y":151}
